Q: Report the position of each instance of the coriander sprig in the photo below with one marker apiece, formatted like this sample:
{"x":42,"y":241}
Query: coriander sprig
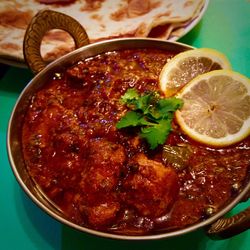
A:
{"x":152,"y":113}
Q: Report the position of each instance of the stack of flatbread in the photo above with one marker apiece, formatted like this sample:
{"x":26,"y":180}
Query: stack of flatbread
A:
{"x":102,"y":19}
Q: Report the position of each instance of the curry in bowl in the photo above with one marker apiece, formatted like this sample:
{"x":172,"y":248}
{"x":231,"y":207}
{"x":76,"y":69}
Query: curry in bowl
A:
{"x":108,"y":178}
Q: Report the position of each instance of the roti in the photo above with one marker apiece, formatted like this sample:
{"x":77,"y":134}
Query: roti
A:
{"x":102,"y":19}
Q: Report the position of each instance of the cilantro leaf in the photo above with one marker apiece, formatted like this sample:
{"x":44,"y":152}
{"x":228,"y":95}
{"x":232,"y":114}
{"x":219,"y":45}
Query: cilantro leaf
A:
{"x":143,"y":103}
{"x":169,"y":104}
{"x":129,"y":96}
{"x":152,"y":113}
{"x":132,"y":99}
{"x":156,"y":134}
{"x":132,"y":119}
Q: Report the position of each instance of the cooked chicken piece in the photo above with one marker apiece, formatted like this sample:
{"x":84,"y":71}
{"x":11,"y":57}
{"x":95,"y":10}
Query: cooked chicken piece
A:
{"x":103,"y":213}
{"x":99,"y":181}
{"x":105,"y":152}
{"x":150,"y":187}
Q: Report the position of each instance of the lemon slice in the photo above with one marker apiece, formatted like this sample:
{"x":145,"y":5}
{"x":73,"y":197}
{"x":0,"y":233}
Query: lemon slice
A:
{"x":216,"y":108}
{"x":185,"y":66}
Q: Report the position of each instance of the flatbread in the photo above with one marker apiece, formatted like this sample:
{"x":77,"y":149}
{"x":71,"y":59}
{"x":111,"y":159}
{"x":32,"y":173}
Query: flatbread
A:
{"x":102,"y":19}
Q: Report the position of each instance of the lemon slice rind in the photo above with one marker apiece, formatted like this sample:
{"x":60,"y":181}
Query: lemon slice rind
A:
{"x":164,"y":79}
{"x":227,"y":140}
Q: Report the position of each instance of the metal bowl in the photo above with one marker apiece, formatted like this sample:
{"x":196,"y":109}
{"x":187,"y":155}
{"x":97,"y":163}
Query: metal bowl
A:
{"x":216,"y":225}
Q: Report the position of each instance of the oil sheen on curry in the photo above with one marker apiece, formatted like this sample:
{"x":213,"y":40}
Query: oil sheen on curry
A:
{"x":109,"y":179}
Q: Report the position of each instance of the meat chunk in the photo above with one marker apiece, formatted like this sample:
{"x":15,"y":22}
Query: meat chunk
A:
{"x":103,"y":166}
{"x":103,"y":152}
{"x":99,"y":182}
{"x":103,"y":213}
{"x":150,"y":188}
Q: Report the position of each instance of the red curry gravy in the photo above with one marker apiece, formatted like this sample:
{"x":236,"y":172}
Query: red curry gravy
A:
{"x":109,"y":179}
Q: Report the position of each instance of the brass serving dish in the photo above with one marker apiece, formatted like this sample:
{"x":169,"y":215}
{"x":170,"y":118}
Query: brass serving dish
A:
{"x":41,"y":23}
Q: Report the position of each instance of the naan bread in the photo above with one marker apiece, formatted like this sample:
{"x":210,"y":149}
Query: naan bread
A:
{"x":102,"y":19}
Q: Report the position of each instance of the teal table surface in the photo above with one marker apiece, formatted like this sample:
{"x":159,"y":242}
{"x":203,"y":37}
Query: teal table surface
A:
{"x":225,"y":27}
